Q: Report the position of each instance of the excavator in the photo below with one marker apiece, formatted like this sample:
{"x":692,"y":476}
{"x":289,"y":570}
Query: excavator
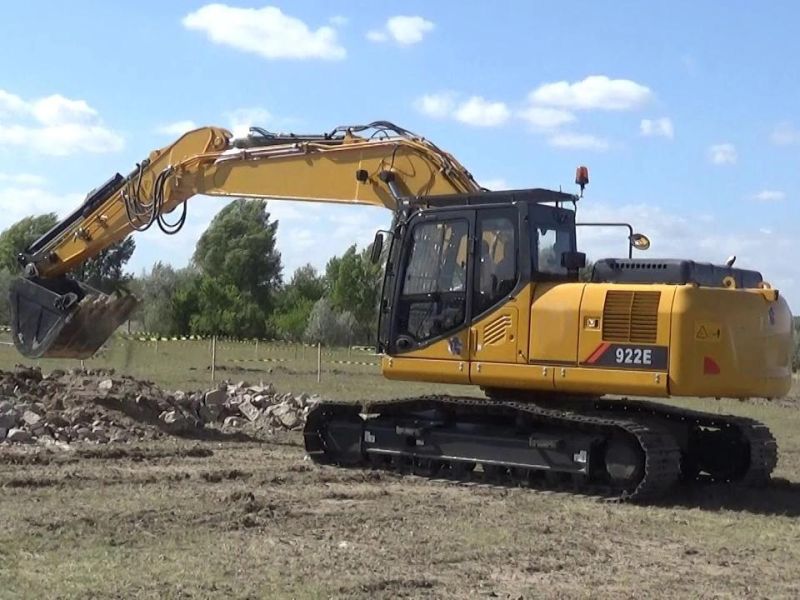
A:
{"x":481,"y":288}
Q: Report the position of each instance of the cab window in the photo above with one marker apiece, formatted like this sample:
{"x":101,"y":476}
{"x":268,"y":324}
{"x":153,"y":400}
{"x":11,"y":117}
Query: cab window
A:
{"x":497,"y":272}
{"x":433,"y":297}
{"x":550,"y":245}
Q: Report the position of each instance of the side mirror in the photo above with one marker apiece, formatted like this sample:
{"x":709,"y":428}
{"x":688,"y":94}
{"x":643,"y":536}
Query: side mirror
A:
{"x":377,"y":248}
{"x":573,"y":261}
{"x":640,"y":241}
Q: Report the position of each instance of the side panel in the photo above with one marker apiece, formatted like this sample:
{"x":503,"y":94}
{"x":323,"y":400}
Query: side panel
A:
{"x":555,"y":323}
{"x":445,"y":361}
{"x":500,"y":348}
{"x":729,"y":342}
{"x":627,"y":355}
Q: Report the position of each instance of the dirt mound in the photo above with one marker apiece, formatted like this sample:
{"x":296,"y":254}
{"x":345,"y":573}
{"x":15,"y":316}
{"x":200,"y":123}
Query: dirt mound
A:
{"x":100,"y":406}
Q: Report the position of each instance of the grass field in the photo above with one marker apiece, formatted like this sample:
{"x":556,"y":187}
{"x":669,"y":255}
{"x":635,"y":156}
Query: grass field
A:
{"x":254,"y":519}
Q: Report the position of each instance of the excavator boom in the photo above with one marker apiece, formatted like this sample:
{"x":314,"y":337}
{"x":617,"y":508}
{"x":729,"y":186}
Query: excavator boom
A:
{"x":378,"y":164}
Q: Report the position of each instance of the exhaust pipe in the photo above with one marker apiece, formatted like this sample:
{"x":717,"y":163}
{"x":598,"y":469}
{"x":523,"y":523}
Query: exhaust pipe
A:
{"x":63,"y":318}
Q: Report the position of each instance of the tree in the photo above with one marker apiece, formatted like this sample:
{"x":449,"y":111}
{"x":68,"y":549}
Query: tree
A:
{"x":354,"y":286}
{"x":209,"y":306}
{"x":20,"y":235}
{"x":157,"y":291}
{"x":238,"y":249}
{"x":104,"y":271}
{"x":294,"y":302}
{"x":326,"y":326}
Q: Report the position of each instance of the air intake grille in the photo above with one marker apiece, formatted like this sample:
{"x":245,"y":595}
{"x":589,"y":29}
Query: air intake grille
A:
{"x":631,"y":317}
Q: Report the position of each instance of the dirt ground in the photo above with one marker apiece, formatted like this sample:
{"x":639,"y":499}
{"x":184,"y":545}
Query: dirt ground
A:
{"x":255,"y":519}
{"x":239,"y":517}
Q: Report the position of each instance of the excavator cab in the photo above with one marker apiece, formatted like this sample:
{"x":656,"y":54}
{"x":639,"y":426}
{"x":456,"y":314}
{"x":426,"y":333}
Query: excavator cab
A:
{"x":455,"y":259}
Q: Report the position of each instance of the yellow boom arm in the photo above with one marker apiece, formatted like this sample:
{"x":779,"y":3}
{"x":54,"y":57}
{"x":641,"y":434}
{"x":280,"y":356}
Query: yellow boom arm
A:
{"x":55,"y":316}
{"x":344,"y":169}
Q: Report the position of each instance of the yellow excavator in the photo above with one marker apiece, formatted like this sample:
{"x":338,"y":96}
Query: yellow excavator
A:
{"x":481,"y":288}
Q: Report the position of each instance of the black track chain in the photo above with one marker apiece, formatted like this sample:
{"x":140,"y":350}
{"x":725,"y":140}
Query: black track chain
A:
{"x":763,"y":447}
{"x":662,"y":454}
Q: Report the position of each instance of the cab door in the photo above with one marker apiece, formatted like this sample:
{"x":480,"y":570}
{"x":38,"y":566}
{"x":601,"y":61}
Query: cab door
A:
{"x":501,"y":302}
{"x":431,"y":304}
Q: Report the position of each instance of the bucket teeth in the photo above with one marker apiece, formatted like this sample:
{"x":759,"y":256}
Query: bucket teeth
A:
{"x":42,"y":328}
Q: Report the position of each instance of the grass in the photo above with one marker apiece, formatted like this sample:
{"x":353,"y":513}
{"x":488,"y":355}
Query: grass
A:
{"x":256,"y":520}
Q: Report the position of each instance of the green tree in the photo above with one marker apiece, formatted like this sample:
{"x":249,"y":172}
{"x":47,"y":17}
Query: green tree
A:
{"x":206,"y":305}
{"x":105,"y":271}
{"x":354,"y":286}
{"x":20,"y":235}
{"x":294,"y":302}
{"x":238,"y":250}
{"x":158,"y":312}
{"x":328,"y":327}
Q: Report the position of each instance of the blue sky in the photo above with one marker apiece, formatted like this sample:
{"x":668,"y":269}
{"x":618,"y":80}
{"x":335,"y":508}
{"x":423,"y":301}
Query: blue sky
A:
{"x":687,"y":113}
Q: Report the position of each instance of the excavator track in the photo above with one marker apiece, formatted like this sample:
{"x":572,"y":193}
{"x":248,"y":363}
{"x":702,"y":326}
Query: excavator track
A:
{"x":523,"y":443}
{"x":742,"y":450}
{"x":416,"y":435}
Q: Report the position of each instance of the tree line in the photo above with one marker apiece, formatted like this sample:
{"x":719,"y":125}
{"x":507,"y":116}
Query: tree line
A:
{"x":233,"y":286}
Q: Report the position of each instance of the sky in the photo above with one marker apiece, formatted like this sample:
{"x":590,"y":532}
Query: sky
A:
{"x":686,"y":113}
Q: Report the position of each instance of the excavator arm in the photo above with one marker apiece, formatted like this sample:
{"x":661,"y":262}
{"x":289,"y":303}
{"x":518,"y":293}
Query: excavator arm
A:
{"x":378,"y":164}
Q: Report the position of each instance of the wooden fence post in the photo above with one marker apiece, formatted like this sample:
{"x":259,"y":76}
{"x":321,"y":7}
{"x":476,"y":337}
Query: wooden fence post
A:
{"x":213,"y":357}
{"x":319,"y":362}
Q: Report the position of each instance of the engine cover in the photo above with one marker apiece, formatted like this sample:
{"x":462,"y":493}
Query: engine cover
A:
{"x":672,"y":271}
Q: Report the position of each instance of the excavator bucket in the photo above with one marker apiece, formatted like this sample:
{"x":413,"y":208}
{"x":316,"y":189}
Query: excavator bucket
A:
{"x":63,"y":318}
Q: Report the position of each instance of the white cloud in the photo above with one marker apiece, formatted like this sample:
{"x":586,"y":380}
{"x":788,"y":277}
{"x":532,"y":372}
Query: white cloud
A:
{"x":785,"y":134}
{"x":475,"y":110}
{"x":544,"y":118}
{"x":595,"y":92}
{"x":657,"y":128}
{"x":723,"y":154}
{"x":19,"y":202}
{"x":339,"y":20}
{"x":578,"y":141}
{"x":438,"y":106}
{"x":376,"y":35}
{"x":405,"y":30}
{"x":267,"y":32}
{"x":770,"y":196}
{"x":482,"y":113}
{"x":54,"y":125}
{"x":497,"y":183}
{"x":241,"y":119}
{"x":22,"y":179}
{"x":176,"y":128}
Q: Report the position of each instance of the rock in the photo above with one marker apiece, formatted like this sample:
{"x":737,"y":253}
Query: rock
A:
{"x":286,"y":415}
{"x":9,"y":419}
{"x":106,"y":385}
{"x":5,"y":406}
{"x":3,"y":433}
{"x":32,"y":373}
{"x":216,"y":397}
{"x":248,"y":410}
{"x":19,"y":436}
{"x":120,"y":435}
{"x":30,"y":418}
{"x":234,"y":422}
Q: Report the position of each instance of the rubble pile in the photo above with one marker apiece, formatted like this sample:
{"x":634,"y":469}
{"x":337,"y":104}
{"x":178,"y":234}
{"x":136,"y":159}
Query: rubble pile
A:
{"x":99,"y":406}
